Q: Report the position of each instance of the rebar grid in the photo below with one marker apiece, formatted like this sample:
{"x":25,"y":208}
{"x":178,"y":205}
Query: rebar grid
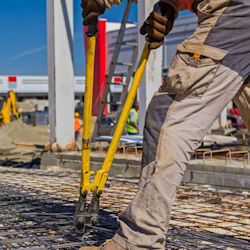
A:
{"x":37,"y":206}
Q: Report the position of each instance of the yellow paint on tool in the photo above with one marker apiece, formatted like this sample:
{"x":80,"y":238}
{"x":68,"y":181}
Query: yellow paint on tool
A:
{"x":102,"y":174}
{"x":85,"y":173}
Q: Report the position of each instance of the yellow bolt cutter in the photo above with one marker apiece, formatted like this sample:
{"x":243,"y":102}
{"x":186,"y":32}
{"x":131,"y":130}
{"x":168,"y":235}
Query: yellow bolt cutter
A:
{"x":88,"y":215}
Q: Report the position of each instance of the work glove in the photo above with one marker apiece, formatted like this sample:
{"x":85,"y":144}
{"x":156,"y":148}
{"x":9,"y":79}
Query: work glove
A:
{"x":159,"y":23}
{"x":91,"y":11}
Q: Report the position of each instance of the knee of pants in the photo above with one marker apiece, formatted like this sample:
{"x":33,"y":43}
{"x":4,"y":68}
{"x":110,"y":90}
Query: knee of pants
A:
{"x":176,"y":147}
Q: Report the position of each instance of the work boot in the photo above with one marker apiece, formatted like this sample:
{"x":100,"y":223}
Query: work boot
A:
{"x":108,"y":245}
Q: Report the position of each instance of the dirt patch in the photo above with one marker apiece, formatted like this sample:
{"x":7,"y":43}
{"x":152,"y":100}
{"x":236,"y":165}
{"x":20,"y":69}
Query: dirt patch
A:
{"x":21,"y":132}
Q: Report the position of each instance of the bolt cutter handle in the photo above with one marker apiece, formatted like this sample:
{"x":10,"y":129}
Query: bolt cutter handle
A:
{"x":81,"y":216}
{"x":92,"y":29}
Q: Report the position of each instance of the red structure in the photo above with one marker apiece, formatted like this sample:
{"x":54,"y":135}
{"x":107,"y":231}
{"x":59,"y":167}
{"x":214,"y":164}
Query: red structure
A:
{"x":100,"y":66}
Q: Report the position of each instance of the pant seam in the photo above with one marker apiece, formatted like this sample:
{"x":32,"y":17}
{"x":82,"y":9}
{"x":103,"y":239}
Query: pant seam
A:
{"x":167,"y":119}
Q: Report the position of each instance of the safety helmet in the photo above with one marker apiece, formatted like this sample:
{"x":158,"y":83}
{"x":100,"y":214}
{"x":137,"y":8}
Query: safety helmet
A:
{"x":77,"y":114}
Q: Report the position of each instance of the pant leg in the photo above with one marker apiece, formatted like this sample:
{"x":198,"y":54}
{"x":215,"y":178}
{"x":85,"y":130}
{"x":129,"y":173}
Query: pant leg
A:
{"x":242,"y":100}
{"x":175,"y":126}
{"x":181,"y":113}
{"x":77,"y":133}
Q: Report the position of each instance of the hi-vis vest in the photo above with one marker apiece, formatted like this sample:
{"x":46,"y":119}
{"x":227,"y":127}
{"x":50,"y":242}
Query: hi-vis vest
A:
{"x":129,"y":127}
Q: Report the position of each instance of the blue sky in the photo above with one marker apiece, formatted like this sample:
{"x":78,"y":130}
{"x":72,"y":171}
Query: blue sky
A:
{"x":23,"y":40}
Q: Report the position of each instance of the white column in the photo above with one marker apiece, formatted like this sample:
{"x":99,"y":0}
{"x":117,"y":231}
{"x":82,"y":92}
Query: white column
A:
{"x":152,"y":78}
{"x":60,"y":71}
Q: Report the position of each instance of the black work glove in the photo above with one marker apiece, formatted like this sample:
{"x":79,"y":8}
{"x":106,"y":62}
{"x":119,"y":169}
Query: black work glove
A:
{"x":158,"y":25}
{"x":91,"y":11}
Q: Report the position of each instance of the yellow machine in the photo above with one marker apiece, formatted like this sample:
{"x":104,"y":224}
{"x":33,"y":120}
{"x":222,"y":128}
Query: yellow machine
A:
{"x":8,"y":108}
{"x":88,"y":215}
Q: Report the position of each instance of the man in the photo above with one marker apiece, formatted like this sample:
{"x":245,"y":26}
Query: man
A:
{"x":236,"y":119}
{"x":211,"y":68}
{"x":19,"y":114}
{"x":78,"y":126}
{"x":132,"y":121}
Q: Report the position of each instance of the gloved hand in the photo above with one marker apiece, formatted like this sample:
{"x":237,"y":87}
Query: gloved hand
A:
{"x":91,"y":11}
{"x":158,"y":25}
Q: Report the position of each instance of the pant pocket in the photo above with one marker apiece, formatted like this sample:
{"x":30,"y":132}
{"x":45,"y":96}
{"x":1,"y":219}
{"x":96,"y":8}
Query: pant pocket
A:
{"x":146,"y":175}
{"x":193,"y":68}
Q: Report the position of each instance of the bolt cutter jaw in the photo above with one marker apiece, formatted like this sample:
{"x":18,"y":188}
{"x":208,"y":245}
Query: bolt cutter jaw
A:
{"x":79,"y":218}
{"x":86,"y":216}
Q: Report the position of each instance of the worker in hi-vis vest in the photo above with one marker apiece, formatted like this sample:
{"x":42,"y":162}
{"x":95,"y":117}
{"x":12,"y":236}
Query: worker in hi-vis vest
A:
{"x":132,"y":127}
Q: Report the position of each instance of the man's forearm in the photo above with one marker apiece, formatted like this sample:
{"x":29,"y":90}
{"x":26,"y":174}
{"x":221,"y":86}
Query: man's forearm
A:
{"x":134,"y":125}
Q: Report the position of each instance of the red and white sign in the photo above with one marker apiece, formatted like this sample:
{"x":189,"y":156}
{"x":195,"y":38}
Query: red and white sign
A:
{"x":12,"y":79}
{"x":117,"y":79}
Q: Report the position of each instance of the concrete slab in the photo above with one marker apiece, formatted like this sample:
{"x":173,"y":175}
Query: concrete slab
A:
{"x":212,"y":172}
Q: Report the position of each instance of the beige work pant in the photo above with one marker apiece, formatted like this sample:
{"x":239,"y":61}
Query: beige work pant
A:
{"x":180,"y":114}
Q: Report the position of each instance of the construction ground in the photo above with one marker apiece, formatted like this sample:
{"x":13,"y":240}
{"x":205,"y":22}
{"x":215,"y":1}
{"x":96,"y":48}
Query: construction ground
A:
{"x":39,"y":191}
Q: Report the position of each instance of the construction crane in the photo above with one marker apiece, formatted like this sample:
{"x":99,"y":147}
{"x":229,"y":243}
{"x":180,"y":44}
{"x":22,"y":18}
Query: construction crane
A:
{"x":8,"y":108}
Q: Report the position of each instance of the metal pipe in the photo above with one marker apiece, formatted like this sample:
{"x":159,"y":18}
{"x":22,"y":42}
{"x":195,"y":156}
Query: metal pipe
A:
{"x":102,"y":174}
{"x":85,"y":172}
